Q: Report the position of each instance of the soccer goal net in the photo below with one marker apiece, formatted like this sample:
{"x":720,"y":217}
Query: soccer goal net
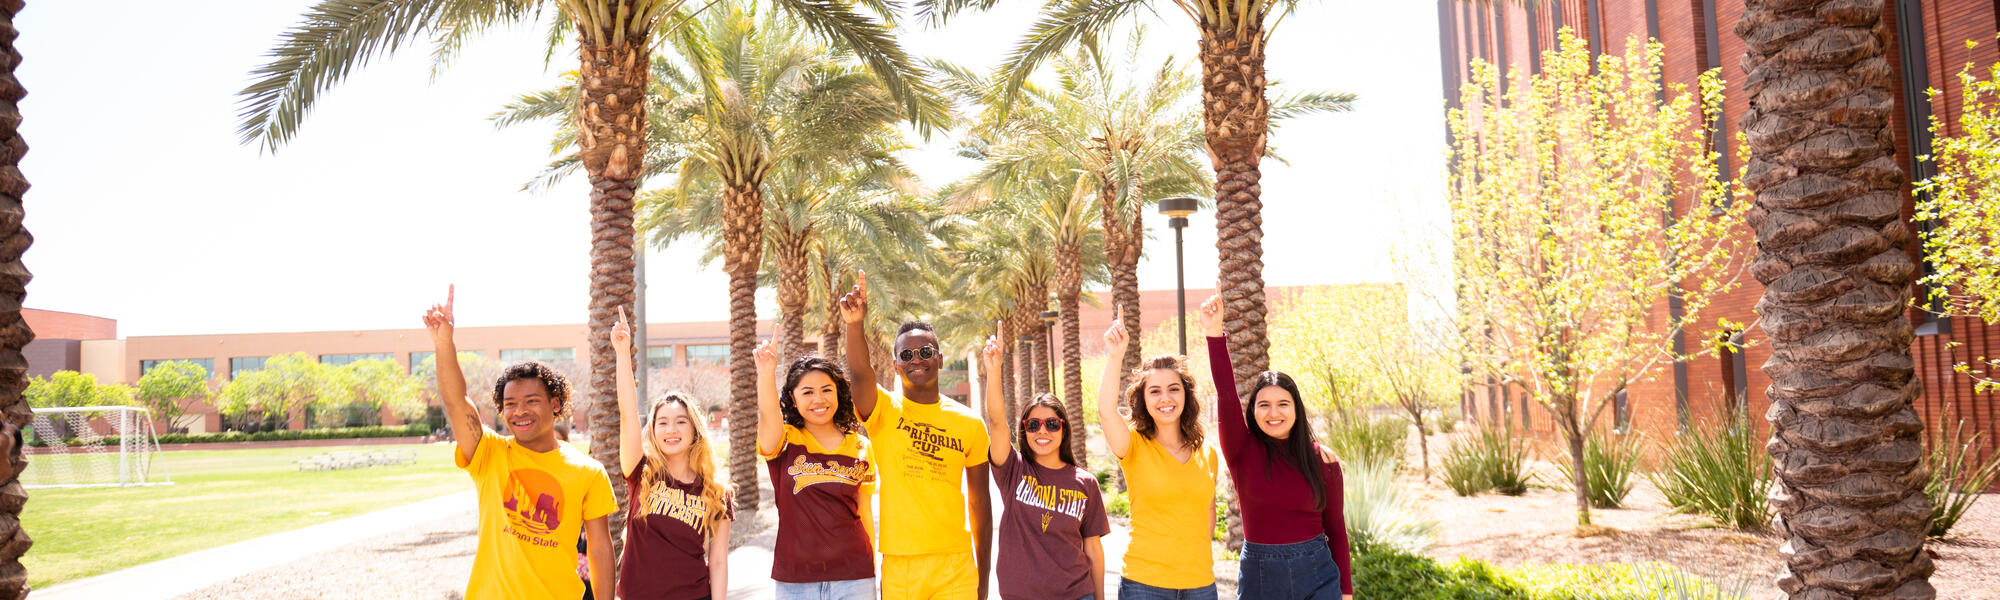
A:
{"x":94,"y":446}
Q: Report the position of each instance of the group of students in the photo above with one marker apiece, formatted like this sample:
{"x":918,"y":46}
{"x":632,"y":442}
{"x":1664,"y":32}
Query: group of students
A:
{"x":925,"y":462}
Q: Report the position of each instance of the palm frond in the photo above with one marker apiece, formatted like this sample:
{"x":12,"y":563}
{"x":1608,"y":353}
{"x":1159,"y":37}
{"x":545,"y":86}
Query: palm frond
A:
{"x":875,"y":44}
{"x":333,"y":38}
{"x":1061,"y":26}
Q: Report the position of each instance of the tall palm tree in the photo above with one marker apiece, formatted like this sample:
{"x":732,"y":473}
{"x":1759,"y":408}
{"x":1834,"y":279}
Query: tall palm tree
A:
{"x":771,"y":117}
{"x":615,"y":41}
{"x":1845,"y":440}
{"x":1236,"y":118}
{"x":14,"y":331}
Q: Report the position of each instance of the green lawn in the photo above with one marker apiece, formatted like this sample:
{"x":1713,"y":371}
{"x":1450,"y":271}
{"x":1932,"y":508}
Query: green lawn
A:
{"x":218,"y":498}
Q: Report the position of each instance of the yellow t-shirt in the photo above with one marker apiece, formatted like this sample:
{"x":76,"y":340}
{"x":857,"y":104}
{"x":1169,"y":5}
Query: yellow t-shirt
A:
{"x":532,"y":506}
{"x":1173,"y":511}
{"x":921,"y":452}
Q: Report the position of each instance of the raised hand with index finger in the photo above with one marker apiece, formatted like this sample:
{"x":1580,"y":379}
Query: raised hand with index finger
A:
{"x":1115,"y":337}
{"x":621,"y":333}
{"x":854,"y":305}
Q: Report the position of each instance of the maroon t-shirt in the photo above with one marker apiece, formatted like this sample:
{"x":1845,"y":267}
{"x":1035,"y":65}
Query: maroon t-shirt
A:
{"x":666,"y":555}
{"x":820,"y":495}
{"x":1277,"y":501}
{"x":1048,"y":514}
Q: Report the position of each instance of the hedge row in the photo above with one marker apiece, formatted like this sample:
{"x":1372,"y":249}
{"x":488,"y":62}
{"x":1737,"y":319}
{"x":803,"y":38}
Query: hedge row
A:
{"x":1388,"y":573}
{"x":338,"y":433}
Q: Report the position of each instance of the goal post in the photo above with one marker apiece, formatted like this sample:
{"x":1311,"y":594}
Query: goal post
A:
{"x":94,"y":446}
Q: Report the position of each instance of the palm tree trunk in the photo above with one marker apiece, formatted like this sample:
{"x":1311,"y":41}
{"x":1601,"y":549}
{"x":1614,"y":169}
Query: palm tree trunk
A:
{"x":1121,"y":252}
{"x":14,"y":332}
{"x":1235,"y":117}
{"x":794,"y":290}
{"x":1069,"y":289}
{"x":1845,"y":440}
{"x":613,"y":81}
{"x":829,"y":334}
{"x":742,"y":254}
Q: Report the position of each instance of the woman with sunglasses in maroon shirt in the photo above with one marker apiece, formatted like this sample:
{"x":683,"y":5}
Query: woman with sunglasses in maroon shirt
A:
{"x":1052,"y":526}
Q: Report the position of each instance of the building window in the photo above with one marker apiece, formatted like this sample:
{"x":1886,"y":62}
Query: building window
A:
{"x":1621,"y":412}
{"x":417,"y":359}
{"x":538,"y":354}
{"x":239,"y":366}
{"x":708,"y":354}
{"x":207,"y":364}
{"x":659,"y":357}
{"x":339,"y":360}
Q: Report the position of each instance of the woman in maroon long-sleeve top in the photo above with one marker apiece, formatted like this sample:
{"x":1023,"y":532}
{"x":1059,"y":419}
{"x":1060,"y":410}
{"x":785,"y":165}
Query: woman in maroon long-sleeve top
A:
{"x":1288,"y":484}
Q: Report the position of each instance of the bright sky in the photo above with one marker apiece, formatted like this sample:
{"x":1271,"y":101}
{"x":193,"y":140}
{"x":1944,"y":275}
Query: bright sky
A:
{"x":145,"y":208}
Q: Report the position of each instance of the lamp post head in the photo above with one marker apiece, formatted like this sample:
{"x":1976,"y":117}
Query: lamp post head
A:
{"x":1178,"y":208}
{"x":1049,"y":317}
{"x":1028,"y":339}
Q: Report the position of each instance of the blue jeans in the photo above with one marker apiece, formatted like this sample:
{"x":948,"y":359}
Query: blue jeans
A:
{"x":1133,"y":590}
{"x":1301,"y":571}
{"x":852,"y":589}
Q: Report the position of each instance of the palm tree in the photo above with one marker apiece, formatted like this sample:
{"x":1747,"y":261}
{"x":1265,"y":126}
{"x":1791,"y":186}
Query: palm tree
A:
{"x":1845,"y":441}
{"x":785,"y":136}
{"x":1236,"y":120}
{"x":615,"y":41}
{"x":14,"y":241}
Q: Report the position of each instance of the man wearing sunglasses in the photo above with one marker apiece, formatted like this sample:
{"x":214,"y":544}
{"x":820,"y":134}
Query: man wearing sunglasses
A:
{"x":923,"y":448}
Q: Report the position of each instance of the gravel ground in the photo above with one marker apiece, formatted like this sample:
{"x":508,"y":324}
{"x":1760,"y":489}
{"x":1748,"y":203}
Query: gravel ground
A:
{"x":427,"y":562}
{"x":1539,"y":528}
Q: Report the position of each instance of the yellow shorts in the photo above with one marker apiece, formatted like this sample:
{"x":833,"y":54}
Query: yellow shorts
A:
{"x":951,"y":576}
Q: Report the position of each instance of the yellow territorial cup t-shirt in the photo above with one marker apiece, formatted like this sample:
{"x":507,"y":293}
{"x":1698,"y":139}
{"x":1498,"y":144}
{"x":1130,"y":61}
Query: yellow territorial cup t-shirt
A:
{"x":1173,"y":511}
{"x":921,"y":452}
{"x":532,"y":506}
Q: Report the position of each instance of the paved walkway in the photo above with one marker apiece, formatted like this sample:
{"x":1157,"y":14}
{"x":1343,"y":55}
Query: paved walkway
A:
{"x":421,"y":550}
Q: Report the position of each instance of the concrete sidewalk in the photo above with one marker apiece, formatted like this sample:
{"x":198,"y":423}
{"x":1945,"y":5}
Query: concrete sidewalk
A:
{"x":189,"y":572}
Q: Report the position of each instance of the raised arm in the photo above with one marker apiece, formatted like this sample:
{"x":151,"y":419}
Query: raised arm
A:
{"x":1228,"y":407}
{"x":458,"y":409}
{"x":630,"y":422}
{"x":854,"y":312}
{"x":997,"y":447}
{"x":1117,"y":436}
{"x":770,"y":419}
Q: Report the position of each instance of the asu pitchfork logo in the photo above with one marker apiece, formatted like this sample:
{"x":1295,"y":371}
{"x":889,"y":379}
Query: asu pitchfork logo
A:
{"x":810,"y":473}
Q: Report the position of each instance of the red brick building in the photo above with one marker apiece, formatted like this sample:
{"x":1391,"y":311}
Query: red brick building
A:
{"x":1926,"y":42}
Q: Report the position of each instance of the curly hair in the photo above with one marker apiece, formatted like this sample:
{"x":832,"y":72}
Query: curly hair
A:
{"x":553,"y":380}
{"x":1142,"y":419}
{"x":844,"y":416}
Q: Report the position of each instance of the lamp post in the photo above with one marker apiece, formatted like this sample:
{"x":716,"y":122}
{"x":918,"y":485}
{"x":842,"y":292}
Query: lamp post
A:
{"x":1178,"y":209}
{"x":1048,"y":328}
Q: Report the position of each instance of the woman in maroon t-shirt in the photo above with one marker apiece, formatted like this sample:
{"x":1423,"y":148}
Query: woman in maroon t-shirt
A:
{"x":1296,"y":539}
{"x":677,"y":527}
{"x":810,"y":439}
{"x":1051,"y":531}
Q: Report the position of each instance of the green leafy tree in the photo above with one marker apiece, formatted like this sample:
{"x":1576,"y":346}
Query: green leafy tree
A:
{"x":169,"y":389}
{"x":377,"y":384}
{"x":68,"y":389}
{"x":1568,"y":237}
{"x":287,"y":386}
{"x":1963,"y":217}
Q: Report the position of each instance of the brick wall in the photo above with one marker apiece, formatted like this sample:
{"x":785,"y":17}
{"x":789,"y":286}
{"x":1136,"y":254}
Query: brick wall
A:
{"x":49,"y":324}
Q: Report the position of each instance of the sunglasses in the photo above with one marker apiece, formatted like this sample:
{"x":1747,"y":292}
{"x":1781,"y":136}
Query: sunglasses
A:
{"x":1054,"y":424}
{"x":926,"y":352}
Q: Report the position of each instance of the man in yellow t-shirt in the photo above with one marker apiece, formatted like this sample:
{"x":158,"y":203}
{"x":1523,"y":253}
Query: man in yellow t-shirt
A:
{"x":535,"y":492}
{"x":923,"y":448}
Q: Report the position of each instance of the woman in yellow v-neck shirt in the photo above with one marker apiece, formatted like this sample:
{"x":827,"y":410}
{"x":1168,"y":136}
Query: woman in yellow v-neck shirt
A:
{"x":1170,"y":473}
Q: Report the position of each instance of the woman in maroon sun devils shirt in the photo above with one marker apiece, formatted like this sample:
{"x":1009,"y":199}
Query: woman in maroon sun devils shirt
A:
{"x":823,"y":473}
{"x":1290,"y":487}
{"x":677,"y":522}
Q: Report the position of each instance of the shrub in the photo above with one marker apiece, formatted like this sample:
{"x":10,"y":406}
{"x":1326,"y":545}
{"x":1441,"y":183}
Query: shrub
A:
{"x":1379,"y":512}
{"x":1447,"y":420}
{"x":1116,"y":503}
{"x":1354,"y":435}
{"x":1617,"y":581}
{"x":1607,"y":468}
{"x":1721,"y":472}
{"x":1958,"y":474}
{"x":1389,"y":573}
{"x":410,"y":430}
{"x":1491,"y":458}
